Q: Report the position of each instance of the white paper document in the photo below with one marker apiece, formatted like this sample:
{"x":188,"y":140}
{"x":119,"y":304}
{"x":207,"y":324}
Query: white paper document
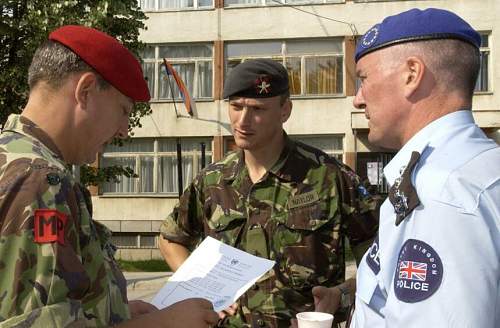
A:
{"x":216,"y":272}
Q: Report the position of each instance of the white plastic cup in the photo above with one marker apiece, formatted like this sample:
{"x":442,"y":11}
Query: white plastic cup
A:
{"x":314,"y":320}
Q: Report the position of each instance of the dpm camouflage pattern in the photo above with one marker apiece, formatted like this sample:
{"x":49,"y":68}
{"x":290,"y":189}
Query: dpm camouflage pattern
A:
{"x":75,"y":284}
{"x":295,"y":215}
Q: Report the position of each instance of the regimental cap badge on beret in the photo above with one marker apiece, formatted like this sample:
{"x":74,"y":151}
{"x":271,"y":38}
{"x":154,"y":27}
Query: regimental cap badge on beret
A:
{"x":115,"y":63}
{"x":263,"y":85}
{"x":257,"y":78}
{"x":416,"y":25}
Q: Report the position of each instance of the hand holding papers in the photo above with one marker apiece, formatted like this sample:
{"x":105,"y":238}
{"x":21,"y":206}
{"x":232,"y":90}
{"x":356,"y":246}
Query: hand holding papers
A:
{"x":216,"y":272}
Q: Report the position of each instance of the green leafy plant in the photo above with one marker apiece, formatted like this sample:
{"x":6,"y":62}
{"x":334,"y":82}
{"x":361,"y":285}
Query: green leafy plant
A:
{"x":25,"y":24}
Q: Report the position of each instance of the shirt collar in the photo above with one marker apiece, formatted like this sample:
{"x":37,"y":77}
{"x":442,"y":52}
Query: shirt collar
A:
{"x":22,"y":125}
{"x":423,"y":138}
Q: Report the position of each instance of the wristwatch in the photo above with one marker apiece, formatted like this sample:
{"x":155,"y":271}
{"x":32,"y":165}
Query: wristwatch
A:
{"x":345,"y":297}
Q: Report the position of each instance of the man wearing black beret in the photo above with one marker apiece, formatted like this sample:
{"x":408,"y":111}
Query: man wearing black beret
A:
{"x":278,"y":199}
{"x":436,"y":261}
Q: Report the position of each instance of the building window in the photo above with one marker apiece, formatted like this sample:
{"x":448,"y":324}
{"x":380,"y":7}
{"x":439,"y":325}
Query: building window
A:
{"x":193,"y":62}
{"x":152,"y":5}
{"x":315,"y":67}
{"x":482,"y":84}
{"x":155,"y":162}
{"x":134,"y":240}
{"x":333,"y":145}
{"x":229,"y":3}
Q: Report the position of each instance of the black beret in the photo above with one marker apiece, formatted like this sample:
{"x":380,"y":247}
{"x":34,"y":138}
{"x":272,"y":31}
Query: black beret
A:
{"x":257,"y":78}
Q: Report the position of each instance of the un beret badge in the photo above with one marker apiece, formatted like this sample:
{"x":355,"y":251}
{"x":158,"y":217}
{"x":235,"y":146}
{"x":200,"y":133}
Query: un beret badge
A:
{"x":263,"y":85}
{"x":370,"y":37}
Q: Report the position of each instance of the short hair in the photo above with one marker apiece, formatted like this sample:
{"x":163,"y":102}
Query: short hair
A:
{"x":53,"y":63}
{"x":454,"y":62}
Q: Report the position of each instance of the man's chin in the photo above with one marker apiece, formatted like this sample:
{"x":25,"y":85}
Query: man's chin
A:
{"x":243,"y":144}
{"x":384,"y":143}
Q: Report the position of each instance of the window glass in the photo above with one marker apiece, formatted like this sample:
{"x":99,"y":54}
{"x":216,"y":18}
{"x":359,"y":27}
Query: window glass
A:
{"x":293,"y":66}
{"x":185,"y":51}
{"x":124,"y":240}
{"x":313,"y":47}
{"x":322,"y":75}
{"x":155,"y":163}
{"x":482,"y":83}
{"x":167,"y":84}
{"x":125,"y":185}
{"x":333,"y":145}
{"x":168,"y":4}
{"x":147,"y":241}
{"x":192,"y":62}
{"x":315,"y":67}
{"x":147,"y":4}
{"x":252,"y":49}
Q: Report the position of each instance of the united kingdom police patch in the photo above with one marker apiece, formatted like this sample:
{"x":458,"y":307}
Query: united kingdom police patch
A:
{"x":419,"y":272}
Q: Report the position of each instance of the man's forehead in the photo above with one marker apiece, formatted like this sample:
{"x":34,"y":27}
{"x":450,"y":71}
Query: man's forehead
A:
{"x":252,"y":101}
{"x":361,"y":66}
{"x":371,"y":61}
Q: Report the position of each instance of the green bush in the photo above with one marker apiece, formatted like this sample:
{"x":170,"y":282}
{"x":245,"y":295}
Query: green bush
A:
{"x":145,"y":266}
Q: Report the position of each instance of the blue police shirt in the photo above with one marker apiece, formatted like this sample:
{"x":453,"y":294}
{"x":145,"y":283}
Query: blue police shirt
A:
{"x":441,"y":266}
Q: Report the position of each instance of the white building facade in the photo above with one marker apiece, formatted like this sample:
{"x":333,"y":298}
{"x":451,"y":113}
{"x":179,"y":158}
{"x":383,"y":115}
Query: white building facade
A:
{"x":204,"y":39}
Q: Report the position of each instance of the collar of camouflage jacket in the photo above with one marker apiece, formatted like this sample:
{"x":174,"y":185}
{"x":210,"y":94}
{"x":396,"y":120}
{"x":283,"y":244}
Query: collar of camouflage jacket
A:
{"x":278,"y":169}
{"x":22,"y":125}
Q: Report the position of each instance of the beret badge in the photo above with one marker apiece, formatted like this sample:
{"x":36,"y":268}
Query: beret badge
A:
{"x":370,"y":37}
{"x":263,"y":85}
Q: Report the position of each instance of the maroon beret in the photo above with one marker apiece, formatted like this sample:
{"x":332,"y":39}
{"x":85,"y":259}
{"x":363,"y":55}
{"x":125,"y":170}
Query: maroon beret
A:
{"x":115,"y":63}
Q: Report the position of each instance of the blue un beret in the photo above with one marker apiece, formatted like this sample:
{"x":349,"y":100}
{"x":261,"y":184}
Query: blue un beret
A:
{"x":416,"y":25}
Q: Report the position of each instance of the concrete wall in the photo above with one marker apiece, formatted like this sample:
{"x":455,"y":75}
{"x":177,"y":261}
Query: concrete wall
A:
{"x":116,"y":209}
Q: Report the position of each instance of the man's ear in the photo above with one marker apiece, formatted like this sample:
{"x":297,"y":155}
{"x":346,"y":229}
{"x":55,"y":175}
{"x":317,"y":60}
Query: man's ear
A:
{"x":286,"y":110}
{"x":414,"y":71}
{"x":86,"y":85}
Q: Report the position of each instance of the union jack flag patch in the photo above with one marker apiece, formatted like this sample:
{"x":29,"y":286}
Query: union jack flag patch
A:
{"x":412,"y":270}
{"x":419,"y":272}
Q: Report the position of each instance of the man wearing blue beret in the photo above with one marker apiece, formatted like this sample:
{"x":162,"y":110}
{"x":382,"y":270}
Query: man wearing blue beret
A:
{"x":436,"y":261}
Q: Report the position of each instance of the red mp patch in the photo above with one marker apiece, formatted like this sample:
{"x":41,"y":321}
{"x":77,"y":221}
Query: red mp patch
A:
{"x":49,"y":226}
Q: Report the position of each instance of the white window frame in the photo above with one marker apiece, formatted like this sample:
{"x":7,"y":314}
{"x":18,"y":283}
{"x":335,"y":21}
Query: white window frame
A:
{"x":482,"y":50}
{"x":156,"y":154}
{"x":284,"y":55}
{"x":283,"y":2}
{"x":138,"y":242}
{"x":196,"y":6}
{"x":158,"y":61}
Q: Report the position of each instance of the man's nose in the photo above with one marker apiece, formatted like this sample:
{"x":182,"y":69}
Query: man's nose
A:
{"x":359,"y":101}
{"x":245,"y":116}
{"x":122,"y":132}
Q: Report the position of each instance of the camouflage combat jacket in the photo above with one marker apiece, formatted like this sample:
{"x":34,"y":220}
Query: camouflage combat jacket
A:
{"x":56,"y":264}
{"x":295,"y":215}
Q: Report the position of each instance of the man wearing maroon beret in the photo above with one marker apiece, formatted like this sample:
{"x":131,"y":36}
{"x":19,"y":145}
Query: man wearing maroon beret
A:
{"x":56,"y":264}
